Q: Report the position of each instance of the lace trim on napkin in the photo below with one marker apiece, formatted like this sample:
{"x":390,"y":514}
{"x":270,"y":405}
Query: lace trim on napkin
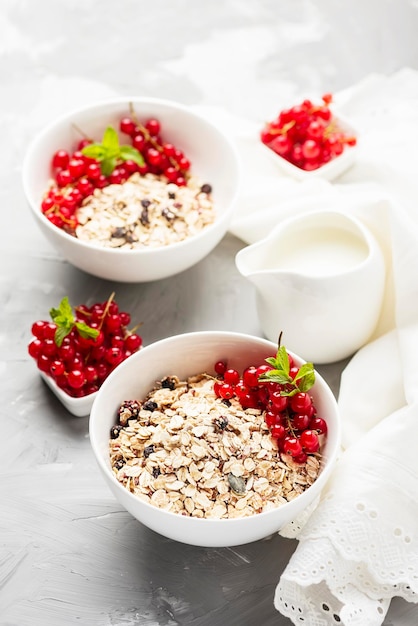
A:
{"x":348,"y":575}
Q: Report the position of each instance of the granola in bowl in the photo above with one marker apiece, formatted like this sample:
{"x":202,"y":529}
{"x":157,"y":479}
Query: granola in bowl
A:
{"x":185,"y":450}
{"x":145,"y":211}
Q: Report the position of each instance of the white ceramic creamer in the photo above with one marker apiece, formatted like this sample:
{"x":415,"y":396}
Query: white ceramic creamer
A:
{"x":320,"y":279}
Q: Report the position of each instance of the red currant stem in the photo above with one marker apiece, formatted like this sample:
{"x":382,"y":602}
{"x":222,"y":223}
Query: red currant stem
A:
{"x":81,"y":132}
{"x":289,"y":424}
{"x":152,"y":141}
{"x":106,"y":310}
{"x":281,"y":131}
{"x":131,"y":331}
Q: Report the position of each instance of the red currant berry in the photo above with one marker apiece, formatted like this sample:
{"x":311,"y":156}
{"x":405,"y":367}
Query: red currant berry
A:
{"x":292,"y":446}
{"x":300,"y":402}
{"x":153,"y":127}
{"x":64,"y":178}
{"x":301,"y":421}
{"x":153,"y":157}
{"x":60,"y":159}
{"x":43,"y":363}
{"x":93,"y":171}
{"x":75,"y":378}
{"x":90,"y":374}
{"x":57,"y":368}
{"x":279,"y":402}
{"x":319,"y":424}
{"x":76,"y":167}
{"x":250,"y":377}
{"x":220,"y":367}
{"x":231,"y":376}
{"x":38,"y":329}
{"x":34,"y":348}
{"x":309,"y":441}
{"x":226,"y":391}
{"x":133,"y":342}
{"x":278,"y":431}
{"x":138,"y":142}
{"x":114,"y":356}
{"x":127,"y":126}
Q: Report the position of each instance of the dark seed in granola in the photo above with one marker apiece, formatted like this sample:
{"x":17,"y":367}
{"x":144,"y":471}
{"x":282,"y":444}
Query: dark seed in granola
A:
{"x":115,"y":430}
{"x":169,"y":215}
{"x":149,"y":450}
{"x":130,"y":237}
{"x":226,"y":402}
{"x":145,"y":203}
{"x":220,"y":422}
{"x":156,"y":472}
{"x":150,"y":405}
{"x":168,"y":383}
{"x":118,"y":464}
{"x":171,"y":195}
{"x":118,"y":233}
{"x":237,"y":484}
{"x":144,"y":219}
{"x":206,"y":188}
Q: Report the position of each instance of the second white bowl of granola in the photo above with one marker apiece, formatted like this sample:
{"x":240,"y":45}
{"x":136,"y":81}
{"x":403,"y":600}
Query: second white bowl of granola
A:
{"x":193,"y":463}
{"x":117,"y":219}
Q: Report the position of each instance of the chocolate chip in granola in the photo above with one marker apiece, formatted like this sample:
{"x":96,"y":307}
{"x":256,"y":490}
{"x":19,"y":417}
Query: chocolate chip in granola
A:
{"x":130,"y":237}
{"x":169,"y":215}
{"x":118,"y":233}
{"x":220,"y":422}
{"x":171,"y":195}
{"x":145,"y":203}
{"x":118,"y":464}
{"x":144,"y":219}
{"x":206,"y":188}
{"x":150,"y":405}
{"x":149,"y":450}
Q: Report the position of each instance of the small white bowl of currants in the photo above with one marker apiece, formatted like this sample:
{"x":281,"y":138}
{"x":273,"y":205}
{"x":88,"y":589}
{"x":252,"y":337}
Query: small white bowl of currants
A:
{"x":77,"y":348}
{"x":310,"y":140}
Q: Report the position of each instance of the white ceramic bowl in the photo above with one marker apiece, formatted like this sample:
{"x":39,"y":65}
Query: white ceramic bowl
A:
{"x":80,"y":407}
{"x":329,"y":171}
{"x":214,"y":160}
{"x":185,"y":355}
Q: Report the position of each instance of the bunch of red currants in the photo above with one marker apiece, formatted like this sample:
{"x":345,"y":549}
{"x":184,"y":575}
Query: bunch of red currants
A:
{"x":79,"y":351}
{"x":290,"y":415}
{"x":307,"y":135}
{"x":75,"y":175}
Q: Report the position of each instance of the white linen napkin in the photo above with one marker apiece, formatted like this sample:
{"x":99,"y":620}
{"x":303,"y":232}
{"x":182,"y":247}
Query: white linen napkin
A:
{"x":359,"y":546}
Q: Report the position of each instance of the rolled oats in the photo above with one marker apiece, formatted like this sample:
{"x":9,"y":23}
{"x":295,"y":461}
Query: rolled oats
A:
{"x":144,"y":212}
{"x":185,"y":450}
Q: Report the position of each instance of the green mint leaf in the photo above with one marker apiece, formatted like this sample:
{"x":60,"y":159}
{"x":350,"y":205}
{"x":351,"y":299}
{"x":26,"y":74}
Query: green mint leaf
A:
{"x":276,"y":376}
{"x":129,"y":153}
{"x":64,"y":309}
{"x":108,"y":165}
{"x":63,"y":318}
{"x":305,"y":378}
{"x":60,"y":333}
{"x":271,"y":360}
{"x":282,"y":360}
{"x":94,"y":151}
{"x":110,"y":140}
{"x":86,"y":331}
